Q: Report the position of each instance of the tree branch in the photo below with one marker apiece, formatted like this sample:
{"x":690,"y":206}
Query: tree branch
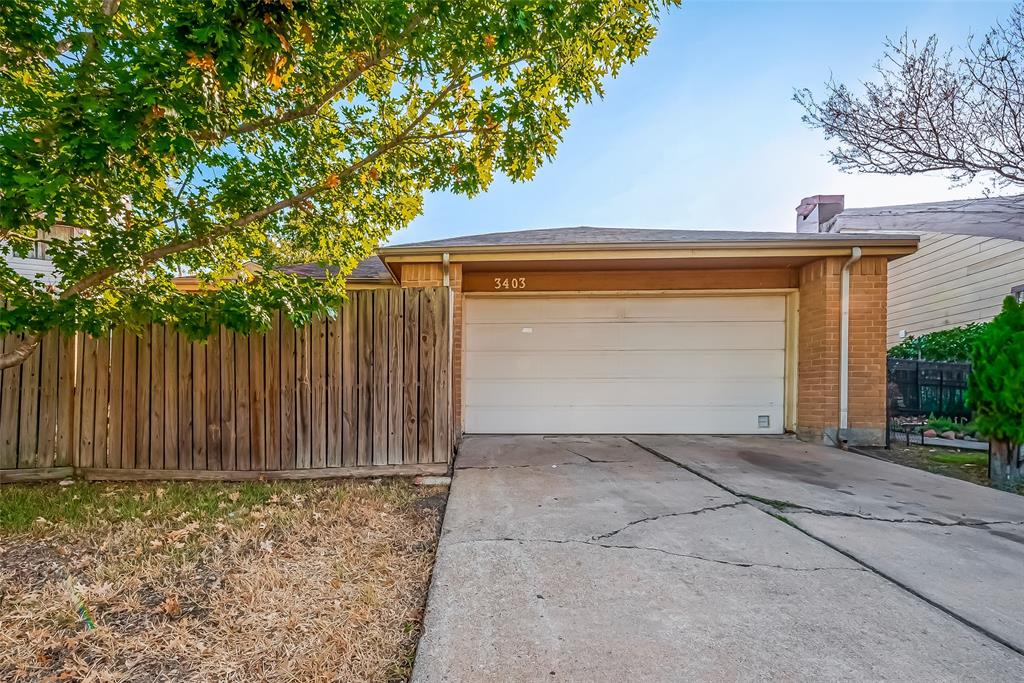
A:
{"x":163,"y":252}
{"x":20,"y":353}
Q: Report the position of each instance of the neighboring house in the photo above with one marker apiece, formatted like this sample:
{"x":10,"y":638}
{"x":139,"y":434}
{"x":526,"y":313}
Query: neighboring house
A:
{"x":37,"y":262}
{"x":971,"y":256}
{"x":598,"y":330}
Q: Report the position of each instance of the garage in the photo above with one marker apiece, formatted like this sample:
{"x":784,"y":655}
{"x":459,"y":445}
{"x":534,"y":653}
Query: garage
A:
{"x":625,"y":364}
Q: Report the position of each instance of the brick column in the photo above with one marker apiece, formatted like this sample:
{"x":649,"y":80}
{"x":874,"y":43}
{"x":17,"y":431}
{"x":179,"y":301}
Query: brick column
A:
{"x":819,"y":345}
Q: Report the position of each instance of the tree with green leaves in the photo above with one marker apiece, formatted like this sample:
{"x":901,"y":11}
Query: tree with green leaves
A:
{"x":953,"y":345}
{"x":995,"y":393}
{"x":203,"y":136}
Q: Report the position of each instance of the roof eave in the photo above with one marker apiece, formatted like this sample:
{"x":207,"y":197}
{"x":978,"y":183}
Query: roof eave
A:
{"x":811,"y":243}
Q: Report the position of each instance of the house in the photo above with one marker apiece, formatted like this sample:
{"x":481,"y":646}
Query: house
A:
{"x":37,"y":262}
{"x":971,"y":256}
{"x":600,"y":330}
{"x":560,"y":331}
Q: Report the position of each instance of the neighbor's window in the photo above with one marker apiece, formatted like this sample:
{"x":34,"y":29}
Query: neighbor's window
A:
{"x":1018,"y":293}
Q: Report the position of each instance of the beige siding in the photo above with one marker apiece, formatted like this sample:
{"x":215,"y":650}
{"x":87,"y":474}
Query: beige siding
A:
{"x":952,"y":280}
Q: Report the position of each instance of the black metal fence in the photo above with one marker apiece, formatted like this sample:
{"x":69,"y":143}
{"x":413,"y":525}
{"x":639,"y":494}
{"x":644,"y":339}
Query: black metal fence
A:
{"x":918,"y":387}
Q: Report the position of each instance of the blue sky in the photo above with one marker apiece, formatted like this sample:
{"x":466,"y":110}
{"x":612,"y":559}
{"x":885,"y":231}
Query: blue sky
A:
{"x":703,"y":132}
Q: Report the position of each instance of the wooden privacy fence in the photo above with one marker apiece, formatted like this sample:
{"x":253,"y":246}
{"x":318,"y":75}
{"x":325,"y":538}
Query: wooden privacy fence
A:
{"x":370,"y":388}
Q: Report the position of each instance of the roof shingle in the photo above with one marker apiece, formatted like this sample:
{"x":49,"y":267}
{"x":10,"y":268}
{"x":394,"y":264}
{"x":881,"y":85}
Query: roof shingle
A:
{"x":370,"y":269}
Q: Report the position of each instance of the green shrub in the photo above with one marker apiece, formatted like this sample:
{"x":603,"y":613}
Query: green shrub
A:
{"x":995,"y":390}
{"x":943,"y":424}
{"x":952,"y":346}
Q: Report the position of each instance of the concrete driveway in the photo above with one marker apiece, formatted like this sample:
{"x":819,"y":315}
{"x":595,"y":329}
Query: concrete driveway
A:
{"x":679,"y":558}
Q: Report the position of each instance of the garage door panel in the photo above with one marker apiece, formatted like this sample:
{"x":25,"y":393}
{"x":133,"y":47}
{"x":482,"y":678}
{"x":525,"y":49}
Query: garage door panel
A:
{"x":622,"y":392}
{"x":694,"y":365}
{"x":626,"y":335}
{"x":526,"y":310}
{"x":618,"y":420}
{"x":619,"y":365}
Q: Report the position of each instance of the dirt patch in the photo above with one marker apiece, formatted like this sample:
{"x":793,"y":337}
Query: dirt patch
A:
{"x":296,"y":581}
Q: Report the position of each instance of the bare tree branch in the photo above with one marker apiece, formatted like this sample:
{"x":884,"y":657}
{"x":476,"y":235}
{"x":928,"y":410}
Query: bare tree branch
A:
{"x":932,"y":111}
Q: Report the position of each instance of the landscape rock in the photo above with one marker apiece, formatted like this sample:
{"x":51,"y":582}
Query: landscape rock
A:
{"x":949,"y":435}
{"x":930,"y":433}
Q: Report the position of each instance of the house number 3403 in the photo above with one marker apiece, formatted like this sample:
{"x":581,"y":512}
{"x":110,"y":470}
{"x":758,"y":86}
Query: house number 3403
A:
{"x":510,"y":283}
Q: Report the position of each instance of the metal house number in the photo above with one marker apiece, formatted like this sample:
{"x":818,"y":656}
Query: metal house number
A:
{"x":510,"y":283}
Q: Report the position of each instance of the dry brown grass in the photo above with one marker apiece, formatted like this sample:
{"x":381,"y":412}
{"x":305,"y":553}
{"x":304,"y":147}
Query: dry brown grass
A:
{"x":283,"y":582}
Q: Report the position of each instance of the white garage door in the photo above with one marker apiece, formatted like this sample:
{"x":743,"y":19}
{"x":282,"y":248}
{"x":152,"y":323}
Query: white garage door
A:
{"x":620,"y":365}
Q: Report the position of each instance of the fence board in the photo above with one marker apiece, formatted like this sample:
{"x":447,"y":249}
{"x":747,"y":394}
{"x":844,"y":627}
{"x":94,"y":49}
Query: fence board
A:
{"x":214,"y":445}
{"x":129,"y":386}
{"x":102,"y":404}
{"x":156,"y":401}
{"x":364,"y":407}
{"x":243,"y":434}
{"x":272,"y":386}
{"x":10,"y":396}
{"x":318,"y":388}
{"x":425,"y":396}
{"x":257,"y":403}
{"x":117,"y":367}
{"x":350,"y":400}
{"x":288,"y":394}
{"x":143,"y":398}
{"x":64,"y":442}
{"x":87,"y":424}
{"x":227,"y":405}
{"x":28,"y":418}
{"x":303,"y":399}
{"x":170,"y":399}
{"x":366,"y":389}
{"x":396,"y":344}
{"x":411,"y":377}
{"x":49,"y":407}
{"x":379,"y":390}
{"x":184,"y":397}
{"x":335,"y":391}
{"x":200,"y":455}
{"x":442,"y":395}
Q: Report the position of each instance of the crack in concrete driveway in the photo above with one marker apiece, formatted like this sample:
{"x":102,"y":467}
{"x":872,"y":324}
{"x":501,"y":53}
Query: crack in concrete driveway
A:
{"x":655,"y":518}
{"x":691,"y":556}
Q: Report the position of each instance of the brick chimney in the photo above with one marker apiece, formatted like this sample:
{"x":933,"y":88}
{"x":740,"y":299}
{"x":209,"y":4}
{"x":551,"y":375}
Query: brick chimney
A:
{"x":815,"y":211}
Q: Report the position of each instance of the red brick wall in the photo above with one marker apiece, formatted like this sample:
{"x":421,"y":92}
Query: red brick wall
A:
{"x":818,"y":365}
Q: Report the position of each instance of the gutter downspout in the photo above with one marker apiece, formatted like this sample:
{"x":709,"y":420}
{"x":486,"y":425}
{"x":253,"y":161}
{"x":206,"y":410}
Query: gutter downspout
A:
{"x":844,"y":347}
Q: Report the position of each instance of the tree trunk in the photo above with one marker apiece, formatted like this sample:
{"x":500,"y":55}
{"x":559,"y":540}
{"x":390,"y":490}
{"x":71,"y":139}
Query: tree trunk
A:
{"x":1005,"y":465}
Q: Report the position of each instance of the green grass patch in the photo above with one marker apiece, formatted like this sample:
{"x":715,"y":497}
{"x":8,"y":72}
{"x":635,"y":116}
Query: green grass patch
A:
{"x":980,"y":459}
{"x":83,"y":504}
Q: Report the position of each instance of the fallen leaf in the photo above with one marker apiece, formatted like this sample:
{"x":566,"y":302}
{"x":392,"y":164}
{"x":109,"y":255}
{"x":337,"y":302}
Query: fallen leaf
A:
{"x":171,"y":606}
